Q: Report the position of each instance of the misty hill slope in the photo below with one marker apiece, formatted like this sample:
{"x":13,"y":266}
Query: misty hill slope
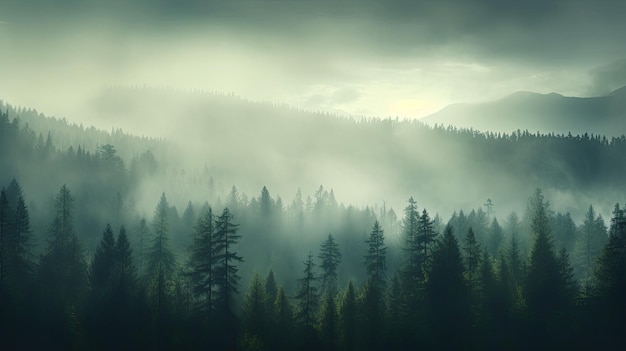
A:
{"x":547,"y":113}
{"x":253,"y":144}
{"x":226,"y":139}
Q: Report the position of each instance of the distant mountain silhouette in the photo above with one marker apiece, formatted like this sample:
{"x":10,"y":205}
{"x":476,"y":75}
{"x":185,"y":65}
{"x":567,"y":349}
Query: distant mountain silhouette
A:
{"x":546,"y":113}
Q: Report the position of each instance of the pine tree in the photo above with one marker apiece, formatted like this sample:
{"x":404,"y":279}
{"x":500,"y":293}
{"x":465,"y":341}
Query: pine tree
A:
{"x":567,"y":277}
{"x":490,"y":307}
{"x":375,"y":259}
{"x":396,"y":313}
{"x":473,"y":258}
{"x":63,"y":273}
{"x":4,"y":236}
{"x":266,"y":204}
{"x":103,"y":265}
{"x":410,"y":226}
{"x":592,"y":239}
{"x":472,"y":253}
{"x":113,"y":280}
{"x":447,"y":300}
{"x":372,"y":315}
{"x":348,"y":318}
{"x":143,"y":235}
{"x":160,"y":266}
{"x":543,"y":282}
{"x":125,"y":272}
{"x":188,"y":216}
{"x":328,"y":322}
{"x":610,"y":271}
{"x":254,"y":313}
{"x":202,"y":262}
{"x":514,"y":256}
{"x":22,"y":257}
{"x":496,"y":236}
{"x":564,"y":231}
{"x":225,"y":269}
{"x":306,"y":295}
{"x":270,"y":289}
{"x":331,"y":257}
{"x":425,"y":237}
{"x":283,"y":317}
{"x":63,"y":265}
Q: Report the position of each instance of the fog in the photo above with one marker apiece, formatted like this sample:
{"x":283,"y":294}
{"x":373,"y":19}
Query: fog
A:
{"x":305,"y":119}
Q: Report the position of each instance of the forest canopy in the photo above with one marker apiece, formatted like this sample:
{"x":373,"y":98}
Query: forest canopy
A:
{"x":83,"y":264}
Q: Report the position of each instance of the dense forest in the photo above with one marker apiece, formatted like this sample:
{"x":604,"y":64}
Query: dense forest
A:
{"x":83,"y":265}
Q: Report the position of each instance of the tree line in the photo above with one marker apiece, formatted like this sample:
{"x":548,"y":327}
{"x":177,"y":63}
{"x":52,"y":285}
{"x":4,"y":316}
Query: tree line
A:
{"x":446,"y":293}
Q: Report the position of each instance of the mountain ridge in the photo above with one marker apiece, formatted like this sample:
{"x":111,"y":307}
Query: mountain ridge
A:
{"x":546,"y":113}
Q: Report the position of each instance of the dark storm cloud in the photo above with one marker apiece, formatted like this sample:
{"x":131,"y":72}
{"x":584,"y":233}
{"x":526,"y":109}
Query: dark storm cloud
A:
{"x":539,"y":45}
{"x":548,"y":30}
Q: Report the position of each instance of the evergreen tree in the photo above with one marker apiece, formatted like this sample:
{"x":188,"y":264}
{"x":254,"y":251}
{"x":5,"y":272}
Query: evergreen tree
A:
{"x":202,"y":262}
{"x":567,"y":277}
{"x":226,"y":278}
{"x":472,"y":255}
{"x":331,"y":257}
{"x":103,"y":265}
{"x":425,"y":237}
{"x":448,"y":306}
{"x":490,"y":311}
{"x":564,"y":231}
{"x":4,"y":236}
{"x":473,"y":259}
{"x":348,"y":318}
{"x":307,"y":296}
{"x":225,"y":272}
{"x":283,"y":317}
{"x":270,"y":289}
{"x":21,"y":248}
{"x":188,"y":217}
{"x":372,"y":315}
{"x":143,"y":235}
{"x":543,"y":282}
{"x":375,"y":259}
{"x":328,"y":322}
{"x":15,"y":239}
{"x":112,"y":315}
{"x":126,"y":272}
{"x":592,"y":239}
{"x":254,"y":313}
{"x":266,"y":204}
{"x":610,"y":271}
{"x":410,"y":226}
{"x":63,"y":275}
{"x":516,"y":261}
{"x":63,"y":265}
{"x":496,"y":236}
{"x":396,"y":314}
{"x":160,"y":268}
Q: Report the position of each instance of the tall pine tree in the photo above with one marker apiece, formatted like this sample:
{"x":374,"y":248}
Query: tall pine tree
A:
{"x":331,"y":257}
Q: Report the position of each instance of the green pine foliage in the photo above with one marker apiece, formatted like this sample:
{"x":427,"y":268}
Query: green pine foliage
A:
{"x":447,"y":295}
{"x":376,"y":259}
{"x":330,"y":257}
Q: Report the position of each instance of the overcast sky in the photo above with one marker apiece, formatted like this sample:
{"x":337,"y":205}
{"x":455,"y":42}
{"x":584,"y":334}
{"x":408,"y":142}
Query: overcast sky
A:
{"x":387,"y":58}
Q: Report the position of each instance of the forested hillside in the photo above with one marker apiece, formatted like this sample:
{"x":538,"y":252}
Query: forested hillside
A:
{"x":540,"y":112}
{"x":286,"y":148}
{"x":88,"y":262}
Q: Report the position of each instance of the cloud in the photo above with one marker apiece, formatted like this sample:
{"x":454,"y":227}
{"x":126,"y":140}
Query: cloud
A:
{"x":344,"y":95}
{"x":607,"y":78}
{"x":368,"y":54}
